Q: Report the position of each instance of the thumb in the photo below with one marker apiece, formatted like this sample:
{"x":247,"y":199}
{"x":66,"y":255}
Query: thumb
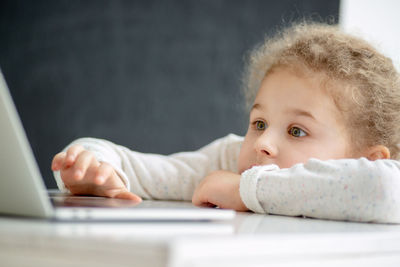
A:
{"x":129,"y":196}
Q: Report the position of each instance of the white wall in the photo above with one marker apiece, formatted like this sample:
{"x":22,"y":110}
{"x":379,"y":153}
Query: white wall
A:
{"x":377,"y":21}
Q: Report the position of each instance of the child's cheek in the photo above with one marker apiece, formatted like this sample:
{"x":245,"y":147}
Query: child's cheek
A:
{"x":244,"y":161}
{"x":241,"y":161}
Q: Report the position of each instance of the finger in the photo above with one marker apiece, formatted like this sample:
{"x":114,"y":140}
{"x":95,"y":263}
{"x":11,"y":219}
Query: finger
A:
{"x":208,"y":205}
{"x":198,"y":194}
{"x":201,"y":197}
{"x":82,"y":163}
{"x":202,"y":203}
{"x":196,"y":199}
{"x":104,"y":172}
{"x":58,"y":160}
{"x":129,"y":196}
{"x":72,"y":153}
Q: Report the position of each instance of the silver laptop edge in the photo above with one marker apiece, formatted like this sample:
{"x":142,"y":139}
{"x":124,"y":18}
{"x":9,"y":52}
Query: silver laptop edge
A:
{"x":20,"y":176}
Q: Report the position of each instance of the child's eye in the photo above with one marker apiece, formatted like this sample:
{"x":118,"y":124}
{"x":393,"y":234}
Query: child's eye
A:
{"x":297,"y":132}
{"x":260,"y":125}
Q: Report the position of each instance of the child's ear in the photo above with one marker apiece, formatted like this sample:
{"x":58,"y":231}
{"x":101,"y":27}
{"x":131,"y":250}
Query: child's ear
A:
{"x":377,"y":152}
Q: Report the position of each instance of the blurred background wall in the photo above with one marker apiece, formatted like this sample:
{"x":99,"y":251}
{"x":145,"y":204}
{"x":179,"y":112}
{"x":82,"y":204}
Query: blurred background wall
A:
{"x":156,"y":76}
{"x":376,"y":21}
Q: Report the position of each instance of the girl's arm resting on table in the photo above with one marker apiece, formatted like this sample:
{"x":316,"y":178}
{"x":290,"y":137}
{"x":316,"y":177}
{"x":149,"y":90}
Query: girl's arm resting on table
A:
{"x":155,"y":176}
{"x":346,"y":189}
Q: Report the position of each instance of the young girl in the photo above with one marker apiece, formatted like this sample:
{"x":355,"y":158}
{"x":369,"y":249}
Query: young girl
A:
{"x":322,"y":140}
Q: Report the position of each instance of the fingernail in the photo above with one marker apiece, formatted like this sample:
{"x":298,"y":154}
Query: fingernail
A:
{"x":78,"y":174}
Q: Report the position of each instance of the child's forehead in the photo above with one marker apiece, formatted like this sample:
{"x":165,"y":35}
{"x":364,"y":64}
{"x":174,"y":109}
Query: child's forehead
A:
{"x":285,"y":87}
{"x":319,"y":79}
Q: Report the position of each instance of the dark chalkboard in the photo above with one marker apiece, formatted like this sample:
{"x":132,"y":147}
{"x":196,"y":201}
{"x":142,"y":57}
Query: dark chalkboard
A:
{"x":156,"y":76}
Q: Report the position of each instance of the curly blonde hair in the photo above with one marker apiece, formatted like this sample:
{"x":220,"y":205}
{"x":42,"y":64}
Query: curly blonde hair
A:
{"x":364,"y":84}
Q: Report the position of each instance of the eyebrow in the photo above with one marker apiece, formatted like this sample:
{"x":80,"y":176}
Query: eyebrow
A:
{"x":256,"y":106}
{"x":301,"y":112}
{"x":295,"y":111}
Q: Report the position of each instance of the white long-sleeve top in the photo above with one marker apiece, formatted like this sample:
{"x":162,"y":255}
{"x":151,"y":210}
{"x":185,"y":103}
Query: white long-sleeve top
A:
{"x":346,"y":189}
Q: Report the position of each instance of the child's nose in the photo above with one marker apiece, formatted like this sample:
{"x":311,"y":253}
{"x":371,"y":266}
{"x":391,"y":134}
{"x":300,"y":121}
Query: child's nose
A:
{"x":266,"y":145}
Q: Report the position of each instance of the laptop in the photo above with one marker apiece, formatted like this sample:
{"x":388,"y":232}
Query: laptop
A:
{"x":23,"y":193}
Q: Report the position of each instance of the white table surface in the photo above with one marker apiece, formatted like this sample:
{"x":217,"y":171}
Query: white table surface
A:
{"x":248,"y":240}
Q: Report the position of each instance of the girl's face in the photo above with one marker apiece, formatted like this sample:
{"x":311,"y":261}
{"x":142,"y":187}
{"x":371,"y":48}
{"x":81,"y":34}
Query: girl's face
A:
{"x":292,"y":120}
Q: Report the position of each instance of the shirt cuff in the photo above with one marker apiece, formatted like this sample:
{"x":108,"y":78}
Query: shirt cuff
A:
{"x":60,"y":183}
{"x":121,"y":174}
{"x":248,"y":187}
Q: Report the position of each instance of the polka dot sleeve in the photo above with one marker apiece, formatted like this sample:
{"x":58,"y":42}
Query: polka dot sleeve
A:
{"x":347,"y":189}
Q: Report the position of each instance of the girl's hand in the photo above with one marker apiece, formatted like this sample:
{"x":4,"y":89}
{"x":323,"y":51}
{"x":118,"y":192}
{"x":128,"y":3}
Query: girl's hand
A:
{"x":82,"y":174}
{"x":221,"y":189}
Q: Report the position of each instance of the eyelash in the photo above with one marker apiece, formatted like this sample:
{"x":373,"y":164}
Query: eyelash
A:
{"x":290,"y":131}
